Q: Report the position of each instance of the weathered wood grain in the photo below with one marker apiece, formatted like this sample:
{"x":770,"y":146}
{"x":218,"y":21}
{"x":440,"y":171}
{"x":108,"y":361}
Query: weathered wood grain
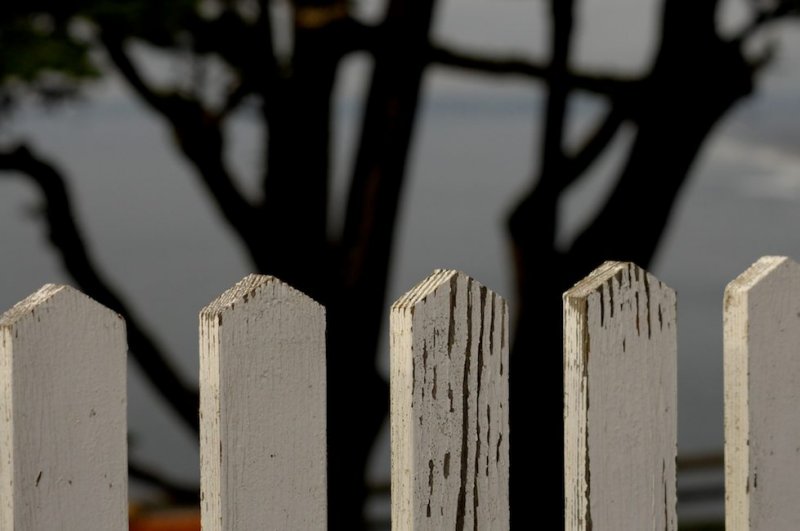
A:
{"x":762,"y":397}
{"x":449,"y":406}
{"x":620,"y":384}
{"x":262,"y":408}
{"x":63,"y":446}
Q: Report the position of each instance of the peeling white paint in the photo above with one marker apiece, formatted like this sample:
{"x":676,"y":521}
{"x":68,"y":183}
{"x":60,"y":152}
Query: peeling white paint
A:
{"x":449,"y":406}
{"x":620,"y":402}
{"x":63,"y":432}
{"x":262,"y":409}
{"x":762,"y":394}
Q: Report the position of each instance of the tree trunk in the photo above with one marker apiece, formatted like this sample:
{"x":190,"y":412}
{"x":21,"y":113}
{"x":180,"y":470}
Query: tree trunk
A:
{"x":696,"y":79}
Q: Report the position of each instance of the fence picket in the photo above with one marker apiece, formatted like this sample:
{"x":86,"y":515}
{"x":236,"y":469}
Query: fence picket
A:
{"x":762,"y":393}
{"x":262,"y":408}
{"x":449,"y":406}
{"x":63,"y":450}
{"x":620,"y":384}
{"x":63,"y":446}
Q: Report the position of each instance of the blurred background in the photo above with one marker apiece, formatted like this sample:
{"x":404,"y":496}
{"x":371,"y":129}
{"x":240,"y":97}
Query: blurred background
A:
{"x":520,"y":142}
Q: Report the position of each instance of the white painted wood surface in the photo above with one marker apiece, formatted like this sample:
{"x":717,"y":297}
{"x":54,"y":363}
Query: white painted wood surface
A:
{"x":63,"y":440}
{"x":620,"y":385}
{"x":262,"y":409}
{"x":762,"y":397}
{"x":449,"y":406}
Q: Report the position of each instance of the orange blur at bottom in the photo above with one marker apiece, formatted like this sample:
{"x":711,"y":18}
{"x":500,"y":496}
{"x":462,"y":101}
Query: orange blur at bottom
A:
{"x":165,"y":520}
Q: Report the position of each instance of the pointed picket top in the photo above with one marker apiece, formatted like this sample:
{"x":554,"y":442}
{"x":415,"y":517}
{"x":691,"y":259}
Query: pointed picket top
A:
{"x":63,"y":432}
{"x":449,"y":406}
{"x":762,"y":391}
{"x":425,"y":288}
{"x":262,"y":409}
{"x":620,"y":410}
{"x":251,"y":287}
{"x":29,"y":304}
{"x":44,"y":298}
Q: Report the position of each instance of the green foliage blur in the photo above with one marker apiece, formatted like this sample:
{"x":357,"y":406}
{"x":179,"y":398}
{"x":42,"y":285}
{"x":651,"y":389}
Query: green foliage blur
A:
{"x":46,"y":46}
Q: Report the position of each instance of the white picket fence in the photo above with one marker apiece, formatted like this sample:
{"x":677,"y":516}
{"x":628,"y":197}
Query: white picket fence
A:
{"x":63,"y":461}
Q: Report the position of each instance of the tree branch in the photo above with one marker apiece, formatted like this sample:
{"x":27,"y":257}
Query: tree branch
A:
{"x":483,"y":64}
{"x":238,"y":93}
{"x":66,"y":237}
{"x":533,"y":230}
{"x":763,"y":17}
{"x":606,"y":85}
{"x":365,"y":247}
{"x":116,"y":52}
{"x":386,"y":130}
{"x":357,"y":36}
{"x":200,"y":138}
{"x":720,"y":76}
{"x":559,"y":86}
{"x":234,"y":40}
{"x":593,"y":146}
